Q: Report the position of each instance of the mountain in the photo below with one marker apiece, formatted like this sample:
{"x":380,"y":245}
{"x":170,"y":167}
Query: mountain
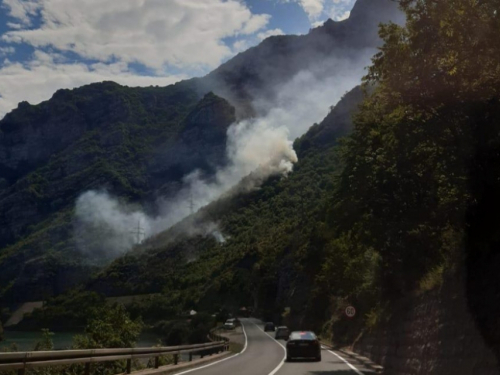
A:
{"x":263,"y":228}
{"x":138,"y":143}
{"x":101,"y":136}
{"x":258,"y":74}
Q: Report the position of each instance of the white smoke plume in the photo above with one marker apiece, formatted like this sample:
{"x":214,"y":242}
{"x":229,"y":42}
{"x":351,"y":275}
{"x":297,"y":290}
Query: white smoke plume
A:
{"x":106,"y":227}
{"x":261,"y":146}
{"x":252,"y":145}
{"x":104,"y":224}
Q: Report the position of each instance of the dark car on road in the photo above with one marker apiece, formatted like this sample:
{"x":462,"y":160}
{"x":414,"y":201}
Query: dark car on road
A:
{"x":303,"y":344}
{"x":282,"y":333}
{"x":269,"y":327}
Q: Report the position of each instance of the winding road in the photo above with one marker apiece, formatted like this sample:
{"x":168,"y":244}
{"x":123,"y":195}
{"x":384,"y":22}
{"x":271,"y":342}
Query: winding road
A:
{"x":263,"y":355}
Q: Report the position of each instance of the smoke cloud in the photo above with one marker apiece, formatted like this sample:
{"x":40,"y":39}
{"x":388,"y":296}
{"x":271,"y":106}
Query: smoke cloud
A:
{"x":106,"y":227}
{"x":256,"y":149}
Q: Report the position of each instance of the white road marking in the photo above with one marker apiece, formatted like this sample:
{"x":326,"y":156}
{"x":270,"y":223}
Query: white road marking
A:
{"x":347,"y":363}
{"x":222,"y":360}
{"x":280,"y":344}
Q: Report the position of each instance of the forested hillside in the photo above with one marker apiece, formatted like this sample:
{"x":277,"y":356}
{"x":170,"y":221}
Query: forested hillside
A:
{"x":102,"y":136}
{"x":271,"y":252}
{"x":139,"y":143}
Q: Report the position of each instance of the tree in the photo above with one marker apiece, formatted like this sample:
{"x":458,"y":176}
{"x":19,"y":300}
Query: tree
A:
{"x":109,"y":327}
{"x":46,"y":343}
{"x":405,"y":188}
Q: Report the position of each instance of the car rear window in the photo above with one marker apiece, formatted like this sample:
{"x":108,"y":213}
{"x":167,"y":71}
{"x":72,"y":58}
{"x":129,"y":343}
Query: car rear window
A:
{"x":307,"y":335}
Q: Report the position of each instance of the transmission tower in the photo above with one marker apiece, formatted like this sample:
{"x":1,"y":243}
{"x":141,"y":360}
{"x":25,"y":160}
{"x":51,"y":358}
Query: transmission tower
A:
{"x":138,"y":233}
{"x":191,"y":203}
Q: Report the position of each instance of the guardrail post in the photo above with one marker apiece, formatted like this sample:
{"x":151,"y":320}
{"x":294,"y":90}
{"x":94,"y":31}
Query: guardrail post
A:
{"x":157,"y":361}
{"x":87,"y":368}
{"x":176,"y":359}
{"x":129,"y":366}
{"x":190,"y":356}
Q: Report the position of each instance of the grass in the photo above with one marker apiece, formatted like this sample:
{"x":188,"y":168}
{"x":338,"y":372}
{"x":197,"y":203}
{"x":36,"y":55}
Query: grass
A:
{"x":235,"y":347}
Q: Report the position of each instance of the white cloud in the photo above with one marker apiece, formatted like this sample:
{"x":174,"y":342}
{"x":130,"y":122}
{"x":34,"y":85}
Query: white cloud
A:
{"x":340,"y":16}
{"x":4,"y":51}
{"x":41,"y":77}
{"x":155,"y":33}
{"x":13,"y":25}
{"x":241,"y":45}
{"x":265,"y":34}
{"x":338,"y":10}
{"x":23,"y":10}
{"x":313,"y":8}
{"x":317,"y":24}
{"x":255,"y":23}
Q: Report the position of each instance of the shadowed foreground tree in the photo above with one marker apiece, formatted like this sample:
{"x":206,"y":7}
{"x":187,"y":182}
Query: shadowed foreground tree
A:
{"x":405,"y":189}
{"x":109,"y":327}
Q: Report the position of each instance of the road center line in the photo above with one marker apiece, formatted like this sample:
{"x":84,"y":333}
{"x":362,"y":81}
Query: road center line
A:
{"x":280,"y":344}
{"x":347,"y":363}
{"x":222,"y":360}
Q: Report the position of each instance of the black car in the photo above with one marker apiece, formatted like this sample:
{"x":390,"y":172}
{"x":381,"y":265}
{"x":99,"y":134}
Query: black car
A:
{"x":269,"y":327}
{"x":282,"y":333}
{"x":303,"y":345}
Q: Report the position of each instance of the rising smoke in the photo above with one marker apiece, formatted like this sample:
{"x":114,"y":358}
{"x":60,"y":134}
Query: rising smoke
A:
{"x":259,"y":147}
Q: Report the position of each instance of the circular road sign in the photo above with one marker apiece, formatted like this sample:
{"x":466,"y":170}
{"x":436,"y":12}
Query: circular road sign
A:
{"x":350,"y":311}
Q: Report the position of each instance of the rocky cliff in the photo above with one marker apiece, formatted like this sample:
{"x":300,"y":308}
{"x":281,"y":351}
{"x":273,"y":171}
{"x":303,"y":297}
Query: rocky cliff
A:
{"x":432,"y":333}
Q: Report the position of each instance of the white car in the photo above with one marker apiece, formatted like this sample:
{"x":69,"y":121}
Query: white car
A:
{"x":229,"y":325}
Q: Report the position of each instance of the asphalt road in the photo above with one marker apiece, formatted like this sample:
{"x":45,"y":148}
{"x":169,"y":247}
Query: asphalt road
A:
{"x":263,"y":355}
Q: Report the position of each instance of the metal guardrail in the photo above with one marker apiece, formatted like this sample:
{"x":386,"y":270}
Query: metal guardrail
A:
{"x":214,"y":337}
{"x":23,"y":361}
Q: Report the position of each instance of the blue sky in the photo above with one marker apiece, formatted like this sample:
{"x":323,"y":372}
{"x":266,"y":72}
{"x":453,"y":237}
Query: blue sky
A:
{"x":46,"y":45}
